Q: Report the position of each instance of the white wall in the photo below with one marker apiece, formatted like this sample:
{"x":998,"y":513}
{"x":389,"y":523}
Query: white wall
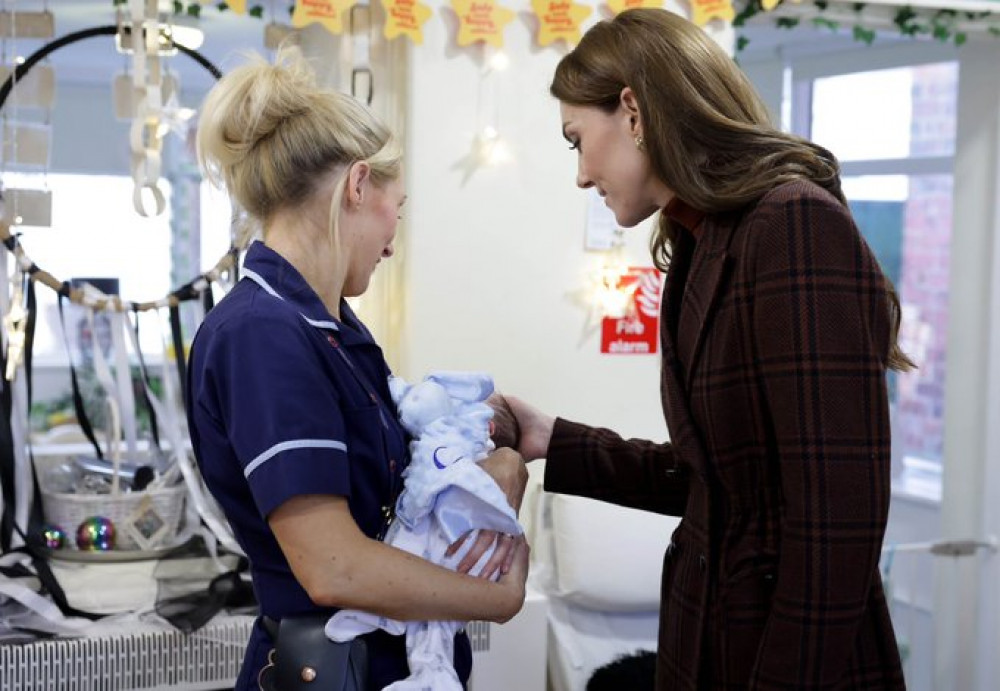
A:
{"x":491,"y":262}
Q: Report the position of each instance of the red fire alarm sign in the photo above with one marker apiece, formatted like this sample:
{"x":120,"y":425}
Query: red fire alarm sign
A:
{"x":637,"y":331}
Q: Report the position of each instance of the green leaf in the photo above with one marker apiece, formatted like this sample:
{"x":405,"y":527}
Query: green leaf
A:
{"x":960,"y":38}
{"x":178,"y":7}
{"x":821,"y":4}
{"x":748,"y":11}
{"x":787,"y":22}
{"x":741,"y":42}
{"x":256,"y":11}
{"x":824,"y":23}
{"x":222,"y":7}
{"x":194,"y":10}
{"x":858,"y":6}
{"x":866,"y":36}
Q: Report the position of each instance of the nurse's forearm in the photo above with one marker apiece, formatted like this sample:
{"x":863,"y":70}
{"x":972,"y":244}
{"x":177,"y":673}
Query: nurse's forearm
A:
{"x":389,"y":582}
{"x":339,"y":566}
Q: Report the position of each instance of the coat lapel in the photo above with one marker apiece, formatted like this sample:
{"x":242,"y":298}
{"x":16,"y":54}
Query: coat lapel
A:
{"x":709,"y":267}
{"x":710,"y":264}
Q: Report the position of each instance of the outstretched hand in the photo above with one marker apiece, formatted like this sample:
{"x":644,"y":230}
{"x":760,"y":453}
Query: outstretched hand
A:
{"x":535,"y":428}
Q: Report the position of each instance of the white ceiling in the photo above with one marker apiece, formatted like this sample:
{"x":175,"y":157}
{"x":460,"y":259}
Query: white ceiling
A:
{"x":95,"y":60}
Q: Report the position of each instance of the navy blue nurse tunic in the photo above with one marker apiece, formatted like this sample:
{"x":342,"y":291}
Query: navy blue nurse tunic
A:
{"x":285,"y":401}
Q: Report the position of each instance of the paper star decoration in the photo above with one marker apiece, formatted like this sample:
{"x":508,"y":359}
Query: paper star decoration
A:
{"x":703,"y":11}
{"x":405,"y":18}
{"x":622,"y":5}
{"x":329,"y":13}
{"x":559,"y":19}
{"x":481,"y":20}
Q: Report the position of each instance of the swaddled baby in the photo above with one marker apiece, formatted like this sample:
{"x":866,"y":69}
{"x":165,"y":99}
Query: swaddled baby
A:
{"x":446,"y":494}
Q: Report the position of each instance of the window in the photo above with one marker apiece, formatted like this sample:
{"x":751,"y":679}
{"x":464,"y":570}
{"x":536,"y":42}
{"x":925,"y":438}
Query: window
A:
{"x":894,"y":133}
{"x":95,"y":233}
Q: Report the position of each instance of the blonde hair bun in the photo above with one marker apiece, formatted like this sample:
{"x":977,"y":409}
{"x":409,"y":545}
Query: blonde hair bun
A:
{"x":268,"y":132}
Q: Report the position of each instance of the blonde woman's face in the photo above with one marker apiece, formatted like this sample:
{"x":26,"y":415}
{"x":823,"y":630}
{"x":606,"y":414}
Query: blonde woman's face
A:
{"x":372,"y":232}
{"x":609,"y":160}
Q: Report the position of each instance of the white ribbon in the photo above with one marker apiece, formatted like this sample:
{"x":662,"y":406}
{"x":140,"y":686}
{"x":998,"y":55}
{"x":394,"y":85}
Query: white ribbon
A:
{"x":168,"y":418}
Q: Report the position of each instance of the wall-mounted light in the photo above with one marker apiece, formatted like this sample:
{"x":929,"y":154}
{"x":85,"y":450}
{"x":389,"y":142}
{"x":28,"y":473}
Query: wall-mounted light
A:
{"x":498,"y":62}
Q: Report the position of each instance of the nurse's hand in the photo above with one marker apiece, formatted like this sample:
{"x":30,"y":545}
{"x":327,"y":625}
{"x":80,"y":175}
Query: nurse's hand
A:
{"x":514,"y":578}
{"x":500,"y":561}
{"x":507,"y":469}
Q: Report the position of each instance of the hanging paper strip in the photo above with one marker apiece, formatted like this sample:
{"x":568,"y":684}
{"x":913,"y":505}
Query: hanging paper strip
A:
{"x":617,"y":6}
{"x":406,"y":18}
{"x":559,"y":19}
{"x":329,"y":13}
{"x":703,"y":11}
{"x":481,"y":20}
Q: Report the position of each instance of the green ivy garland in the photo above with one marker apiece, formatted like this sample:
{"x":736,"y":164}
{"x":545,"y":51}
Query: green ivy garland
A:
{"x":941,"y":25}
{"x":193,"y":9}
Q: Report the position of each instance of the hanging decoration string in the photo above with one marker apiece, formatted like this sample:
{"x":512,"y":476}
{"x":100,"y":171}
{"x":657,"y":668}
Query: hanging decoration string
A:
{"x":189,"y":291}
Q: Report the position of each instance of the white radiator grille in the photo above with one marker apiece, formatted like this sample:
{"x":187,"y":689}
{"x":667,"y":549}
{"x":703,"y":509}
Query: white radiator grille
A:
{"x":479,"y":635}
{"x":209,"y":658}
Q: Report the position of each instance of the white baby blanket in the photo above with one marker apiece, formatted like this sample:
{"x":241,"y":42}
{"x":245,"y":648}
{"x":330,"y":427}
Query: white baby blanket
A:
{"x":446,"y":494}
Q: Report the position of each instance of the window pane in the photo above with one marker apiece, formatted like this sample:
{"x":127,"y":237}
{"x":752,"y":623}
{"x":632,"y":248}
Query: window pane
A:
{"x":894,"y":113}
{"x":911,"y":237}
{"x":96,"y":233}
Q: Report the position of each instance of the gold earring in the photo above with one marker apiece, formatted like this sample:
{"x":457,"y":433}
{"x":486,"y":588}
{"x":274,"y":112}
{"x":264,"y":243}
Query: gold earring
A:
{"x":640,"y":143}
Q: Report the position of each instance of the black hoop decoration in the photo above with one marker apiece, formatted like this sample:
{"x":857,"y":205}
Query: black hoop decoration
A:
{"x":188,"y":291}
{"x":110,"y":30}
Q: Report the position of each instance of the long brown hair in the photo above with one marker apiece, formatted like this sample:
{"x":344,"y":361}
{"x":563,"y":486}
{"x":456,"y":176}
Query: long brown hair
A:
{"x":707,"y":133}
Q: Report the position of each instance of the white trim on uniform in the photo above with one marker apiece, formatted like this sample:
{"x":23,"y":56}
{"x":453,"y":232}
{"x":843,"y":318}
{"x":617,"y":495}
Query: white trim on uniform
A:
{"x":259,"y":280}
{"x":293,"y":444}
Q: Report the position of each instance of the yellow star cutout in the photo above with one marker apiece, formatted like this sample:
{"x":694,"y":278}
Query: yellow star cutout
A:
{"x":405,"y":18}
{"x":703,"y":11}
{"x":559,"y":19}
{"x":622,"y":5}
{"x":769,"y":5}
{"x":329,"y":13}
{"x":481,"y":20}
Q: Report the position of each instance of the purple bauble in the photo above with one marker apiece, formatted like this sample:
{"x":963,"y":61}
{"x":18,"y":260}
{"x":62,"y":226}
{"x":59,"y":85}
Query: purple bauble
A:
{"x":96,"y":534}
{"x":55,"y":537}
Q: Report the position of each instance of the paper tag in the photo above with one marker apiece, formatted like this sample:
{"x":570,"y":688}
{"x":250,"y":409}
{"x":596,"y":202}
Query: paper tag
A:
{"x":27,"y":25}
{"x":36,"y":89}
{"x":26,"y":143}
{"x":23,"y":207}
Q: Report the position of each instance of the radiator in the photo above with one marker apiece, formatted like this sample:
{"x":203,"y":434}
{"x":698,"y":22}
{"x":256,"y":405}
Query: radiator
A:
{"x":209,"y":658}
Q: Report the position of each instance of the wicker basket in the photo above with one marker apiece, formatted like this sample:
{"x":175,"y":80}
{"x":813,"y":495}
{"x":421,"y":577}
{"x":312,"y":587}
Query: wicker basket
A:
{"x":162,"y":508}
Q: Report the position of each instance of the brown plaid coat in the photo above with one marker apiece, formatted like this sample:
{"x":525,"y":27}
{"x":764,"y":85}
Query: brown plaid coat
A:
{"x":774,"y":393}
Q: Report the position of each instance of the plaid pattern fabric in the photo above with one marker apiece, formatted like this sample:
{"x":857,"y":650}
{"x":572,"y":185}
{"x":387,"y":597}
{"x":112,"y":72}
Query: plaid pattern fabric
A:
{"x":774,"y":393}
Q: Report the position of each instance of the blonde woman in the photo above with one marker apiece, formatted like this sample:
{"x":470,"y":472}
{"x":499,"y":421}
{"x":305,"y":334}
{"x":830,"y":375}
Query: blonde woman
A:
{"x":290,"y":414}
